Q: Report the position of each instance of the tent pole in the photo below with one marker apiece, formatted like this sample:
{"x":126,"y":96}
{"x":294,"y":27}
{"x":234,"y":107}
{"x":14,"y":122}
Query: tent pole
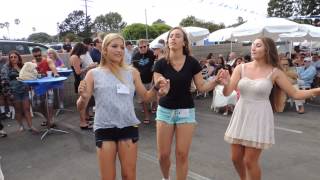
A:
{"x":290,"y":48}
{"x":310,"y":47}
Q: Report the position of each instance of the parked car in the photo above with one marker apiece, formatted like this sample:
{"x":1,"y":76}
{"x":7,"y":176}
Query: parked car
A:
{"x":57,"y":47}
{"x":23,"y":47}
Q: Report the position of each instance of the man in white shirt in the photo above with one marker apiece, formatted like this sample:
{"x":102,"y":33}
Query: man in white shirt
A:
{"x":128,"y":52}
{"x":231,"y":59}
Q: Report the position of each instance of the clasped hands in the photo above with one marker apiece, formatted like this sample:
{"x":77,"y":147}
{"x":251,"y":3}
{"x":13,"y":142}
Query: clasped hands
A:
{"x":223,"y":77}
{"x":163,"y":85}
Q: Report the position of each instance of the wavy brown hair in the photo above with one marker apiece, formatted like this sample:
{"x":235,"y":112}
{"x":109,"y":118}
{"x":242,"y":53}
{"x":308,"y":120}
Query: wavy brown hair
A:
{"x":20,"y":63}
{"x":272,"y":58}
{"x":271,"y":52}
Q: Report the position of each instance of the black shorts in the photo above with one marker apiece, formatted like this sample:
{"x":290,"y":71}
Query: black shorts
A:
{"x":116,"y":134}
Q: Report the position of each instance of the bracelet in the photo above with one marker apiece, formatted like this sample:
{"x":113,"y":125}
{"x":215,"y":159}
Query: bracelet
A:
{"x":155,"y":88}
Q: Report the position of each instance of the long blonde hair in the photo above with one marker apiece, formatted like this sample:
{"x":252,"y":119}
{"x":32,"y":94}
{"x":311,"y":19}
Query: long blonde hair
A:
{"x":115,"y":68}
{"x":55,"y":55}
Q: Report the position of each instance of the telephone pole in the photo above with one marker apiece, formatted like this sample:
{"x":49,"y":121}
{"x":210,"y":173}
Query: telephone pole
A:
{"x":87,"y":19}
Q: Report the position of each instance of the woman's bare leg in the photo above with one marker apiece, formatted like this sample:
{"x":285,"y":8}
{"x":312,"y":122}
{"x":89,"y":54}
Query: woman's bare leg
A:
{"x":237,"y":157}
{"x":184,"y":133}
{"x":107,"y":160}
{"x":164,"y":141}
{"x":251,"y":161}
{"x":128,"y":158}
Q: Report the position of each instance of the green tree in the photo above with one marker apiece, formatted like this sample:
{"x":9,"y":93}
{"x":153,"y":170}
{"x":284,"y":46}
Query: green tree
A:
{"x":280,"y":8}
{"x":289,"y":8}
{"x":193,"y":21}
{"x":138,"y":31}
{"x":190,"y":21}
{"x":40,"y":37}
{"x":212,"y":27}
{"x":309,"y":7}
{"x":73,"y":37}
{"x":111,"y":22}
{"x":159,"y":21}
{"x":161,"y":28}
{"x":76,"y":23}
{"x":240,"y":21}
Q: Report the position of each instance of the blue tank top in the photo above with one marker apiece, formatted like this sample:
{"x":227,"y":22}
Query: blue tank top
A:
{"x":113,"y":109}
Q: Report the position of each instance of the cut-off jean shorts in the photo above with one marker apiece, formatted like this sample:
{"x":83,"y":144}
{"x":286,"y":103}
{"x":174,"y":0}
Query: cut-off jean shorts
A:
{"x":176,"y":116}
{"x":116,"y":134}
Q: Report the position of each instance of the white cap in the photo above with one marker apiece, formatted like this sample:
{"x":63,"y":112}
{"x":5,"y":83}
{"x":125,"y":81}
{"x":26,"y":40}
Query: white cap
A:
{"x":157,"y":46}
{"x":307,"y":59}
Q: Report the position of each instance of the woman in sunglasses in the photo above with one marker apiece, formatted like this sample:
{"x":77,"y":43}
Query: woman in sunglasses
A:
{"x":16,"y":90}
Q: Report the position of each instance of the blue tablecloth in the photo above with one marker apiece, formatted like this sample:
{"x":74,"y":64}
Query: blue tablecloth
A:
{"x":41,"y":86}
{"x":65,"y":73}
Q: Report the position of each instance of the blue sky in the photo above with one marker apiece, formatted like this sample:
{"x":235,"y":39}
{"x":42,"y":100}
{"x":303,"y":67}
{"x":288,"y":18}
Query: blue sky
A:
{"x":44,"y":14}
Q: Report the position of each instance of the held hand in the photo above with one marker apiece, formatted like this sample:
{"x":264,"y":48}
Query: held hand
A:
{"x":82,"y":89}
{"x":317,"y":92}
{"x":159,"y":81}
{"x":163,"y":85}
{"x":224,"y":77}
{"x":164,"y":89}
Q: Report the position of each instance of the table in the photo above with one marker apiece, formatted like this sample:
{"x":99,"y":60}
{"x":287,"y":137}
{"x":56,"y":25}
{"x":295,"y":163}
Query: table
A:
{"x":41,"y":87}
{"x":63,"y":73}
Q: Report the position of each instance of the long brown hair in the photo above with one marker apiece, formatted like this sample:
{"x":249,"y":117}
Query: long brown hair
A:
{"x":272,"y":58}
{"x":186,"y":48}
{"x":20,"y":63}
{"x":271,"y":52}
{"x":112,"y":66}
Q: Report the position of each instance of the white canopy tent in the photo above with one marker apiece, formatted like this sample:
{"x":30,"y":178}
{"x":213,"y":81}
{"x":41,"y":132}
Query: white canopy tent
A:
{"x":195,"y":34}
{"x":269,"y":27}
{"x":306,"y":32}
{"x":221,"y":35}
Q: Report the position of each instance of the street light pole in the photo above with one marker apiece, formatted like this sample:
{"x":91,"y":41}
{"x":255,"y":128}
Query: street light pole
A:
{"x":145,"y":14}
{"x":58,"y":31}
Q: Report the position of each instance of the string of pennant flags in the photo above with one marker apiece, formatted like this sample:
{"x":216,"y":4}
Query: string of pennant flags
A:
{"x":235,"y":6}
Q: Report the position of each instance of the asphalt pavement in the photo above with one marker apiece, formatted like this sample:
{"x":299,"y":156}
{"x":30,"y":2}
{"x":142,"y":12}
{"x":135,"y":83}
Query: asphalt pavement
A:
{"x":295,"y":156}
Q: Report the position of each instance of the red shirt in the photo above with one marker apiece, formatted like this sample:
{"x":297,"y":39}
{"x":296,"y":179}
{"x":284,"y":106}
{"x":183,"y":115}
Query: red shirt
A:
{"x":43,"y":67}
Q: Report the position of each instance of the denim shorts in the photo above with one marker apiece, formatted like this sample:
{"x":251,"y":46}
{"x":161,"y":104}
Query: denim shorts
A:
{"x":116,"y":134}
{"x":176,"y":116}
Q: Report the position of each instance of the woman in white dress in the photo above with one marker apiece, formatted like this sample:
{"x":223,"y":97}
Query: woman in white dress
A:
{"x":251,"y":127}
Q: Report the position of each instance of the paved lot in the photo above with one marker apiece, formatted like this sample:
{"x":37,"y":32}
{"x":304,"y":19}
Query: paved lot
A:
{"x":295,"y":156}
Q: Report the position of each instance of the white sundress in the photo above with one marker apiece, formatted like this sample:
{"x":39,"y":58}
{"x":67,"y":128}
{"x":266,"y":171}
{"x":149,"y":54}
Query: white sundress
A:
{"x":252,"y":122}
